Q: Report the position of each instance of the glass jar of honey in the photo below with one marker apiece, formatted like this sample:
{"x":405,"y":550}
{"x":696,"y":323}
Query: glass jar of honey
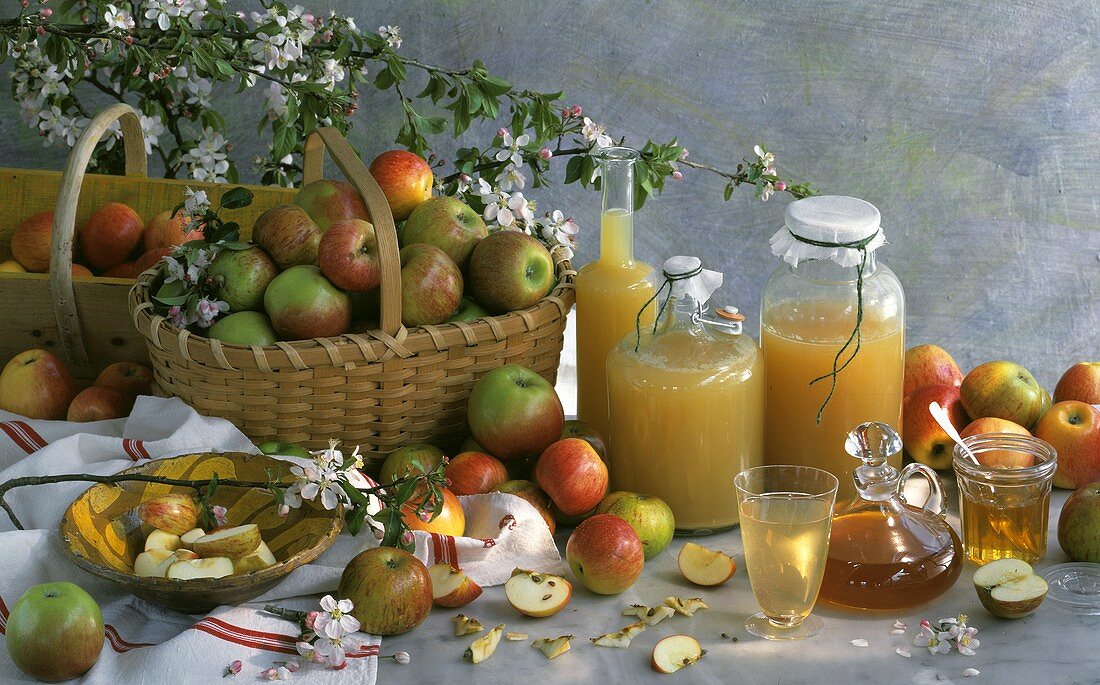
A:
{"x":686,"y":400}
{"x":832,"y":328}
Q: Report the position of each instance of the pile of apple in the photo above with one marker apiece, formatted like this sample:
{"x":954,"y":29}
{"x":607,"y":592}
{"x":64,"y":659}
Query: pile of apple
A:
{"x":113,"y":242}
{"x":177,"y":549}
{"x":38,"y":385}
{"x":315,"y":271}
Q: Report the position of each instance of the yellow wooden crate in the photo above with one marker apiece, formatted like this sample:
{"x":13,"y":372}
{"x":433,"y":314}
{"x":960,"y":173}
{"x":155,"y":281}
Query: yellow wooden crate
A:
{"x":33,"y":306}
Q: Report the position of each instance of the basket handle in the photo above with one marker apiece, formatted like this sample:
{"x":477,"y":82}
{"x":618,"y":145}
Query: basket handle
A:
{"x":64,"y":218}
{"x":313,"y":162}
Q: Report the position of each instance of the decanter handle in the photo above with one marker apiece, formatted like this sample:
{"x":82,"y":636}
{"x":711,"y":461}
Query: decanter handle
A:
{"x":935,"y":502}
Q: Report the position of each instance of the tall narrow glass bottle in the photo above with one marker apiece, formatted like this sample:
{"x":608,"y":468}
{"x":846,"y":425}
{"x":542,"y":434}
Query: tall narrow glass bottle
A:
{"x":610,"y":290}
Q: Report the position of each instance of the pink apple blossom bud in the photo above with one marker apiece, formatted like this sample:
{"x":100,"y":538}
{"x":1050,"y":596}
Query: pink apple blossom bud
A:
{"x":41,"y":30}
{"x":565,"y":113}
{"x":25,"y":3}
{"x":379,"y":534}
{"x":311,"y":619}
{"x":46,"y":12}
{"x":174,"y":310}
{"x":683,"y":154}
{"x":284,"y":511}
{"x":545,"y":153}
{"x":407,"y":537}
{"x":465,"y":178}
{"x":269,"y":674}
{"x":308,"y":17}
{"x":576,"y":111}
{"x":502,"y":131}
{"x":129,"y":40}
{"x":293,"y":666}
{"x":780,"y":186}
{"x":677,"y":175}
{"x":234,"y":667}
{"x":402,"y":658}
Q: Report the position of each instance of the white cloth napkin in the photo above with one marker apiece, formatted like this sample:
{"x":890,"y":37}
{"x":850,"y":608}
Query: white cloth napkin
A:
{"x":146,"y":643}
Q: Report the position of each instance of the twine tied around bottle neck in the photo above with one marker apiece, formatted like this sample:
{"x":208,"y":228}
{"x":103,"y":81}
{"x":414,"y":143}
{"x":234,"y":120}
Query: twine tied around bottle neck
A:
{"x":856,"y":336}
{"x":667,"y":283}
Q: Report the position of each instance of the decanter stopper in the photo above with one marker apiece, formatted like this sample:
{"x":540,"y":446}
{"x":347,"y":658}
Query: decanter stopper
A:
{"x":874,"y":443}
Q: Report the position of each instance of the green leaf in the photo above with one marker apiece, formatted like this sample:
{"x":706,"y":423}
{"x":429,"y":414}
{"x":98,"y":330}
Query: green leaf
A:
{"x":212,"y":487}
{"x":573,"y":169}
{"x":727,"y":192}
{"x":236,"y":198}
{"x":496,"y":85}
{"x":175,"y":301}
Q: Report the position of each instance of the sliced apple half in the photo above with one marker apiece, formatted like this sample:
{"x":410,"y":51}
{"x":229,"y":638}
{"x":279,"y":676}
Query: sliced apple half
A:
{"x":190,"y":569}
{"x":235,"y":542}
{"x":190,"y":536}
{"x":1009,"y":588}
{"x":162,"y":539}
{"x":537,"y":594}
{"x":672,"y":653}
{"x":451,"y":587}
{"x":148,"y":563}
{"x":704,"y":566}
{"x":259,"y":559}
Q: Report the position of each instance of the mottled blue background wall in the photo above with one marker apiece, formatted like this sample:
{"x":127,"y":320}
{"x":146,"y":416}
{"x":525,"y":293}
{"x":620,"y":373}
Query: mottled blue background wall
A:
{"x":973,"y":126}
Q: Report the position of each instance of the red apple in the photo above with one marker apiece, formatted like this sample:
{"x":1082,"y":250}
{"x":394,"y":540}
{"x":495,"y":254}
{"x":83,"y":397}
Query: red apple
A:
{"x":30,"y":243}
{"x":1080,"y":382}
{"x":474,"y":473}
{"x":174,"y":512}
{"x":1005,"y":390}
{"x":447,"y":223}
{"x":510,"y":270}
{"x":36,"y":384}
{"x":149,"y":260}
{"x":288,"y":234}
{"x":327,"y":201}
{"x":573,"y":475}
{"x":575,"y":428}
{"x":605,"y":554}
{"x":81,"y":271}
{"x":405,"y":178}
{"x":451,"y":519}
{"x":1004,"y":459}
{"x":649,"y":516}
{"x":929,"y":365}
{"x":526,"y":490}
{"x":1073,"y":429}
{"x":54,"y":632}
{"x":302,"y":304}
{"x":99,"y":404}
{"x":242,"y":277}
{"x":348,"y":255}
{"x":431,"y":285}
{"x":923,"y":438}
{"x":1079,"y":524}
{"x":109,"y":235}
{"x":514,"y":412}
{"x":168,"y":230}
{"x":123,"y":270}
{"x":391,"y":590}
{"x":129,"y":378}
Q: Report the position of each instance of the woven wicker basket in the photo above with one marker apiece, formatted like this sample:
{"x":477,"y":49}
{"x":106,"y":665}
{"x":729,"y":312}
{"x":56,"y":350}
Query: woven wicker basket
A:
{"x":378,"y":390}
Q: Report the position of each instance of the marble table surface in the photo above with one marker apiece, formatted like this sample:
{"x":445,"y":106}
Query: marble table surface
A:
{"x":1050,"y":646}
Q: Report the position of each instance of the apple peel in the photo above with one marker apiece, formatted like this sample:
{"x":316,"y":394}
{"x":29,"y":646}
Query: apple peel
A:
{"x":686,"y":607}
{"x":484,"y":647}
{"x":552,"y":647}
{"x":515,"y":637}
{"x":621,"y":639}
{"x":464,"y":625}
{"x":650,"y":615}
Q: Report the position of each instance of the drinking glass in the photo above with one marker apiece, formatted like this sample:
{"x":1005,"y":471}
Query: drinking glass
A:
{"x":786,"y":513}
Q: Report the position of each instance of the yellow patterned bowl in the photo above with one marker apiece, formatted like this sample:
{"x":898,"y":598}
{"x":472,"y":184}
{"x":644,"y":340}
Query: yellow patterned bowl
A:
{"x":102,"y":536}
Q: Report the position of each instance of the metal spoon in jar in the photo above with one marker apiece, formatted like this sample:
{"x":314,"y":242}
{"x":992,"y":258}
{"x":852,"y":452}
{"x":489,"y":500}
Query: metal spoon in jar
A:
{"x":940,"y":415}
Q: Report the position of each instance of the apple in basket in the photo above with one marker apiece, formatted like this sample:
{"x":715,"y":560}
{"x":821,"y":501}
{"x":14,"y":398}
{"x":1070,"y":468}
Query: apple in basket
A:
{"x":605,"y":554}
{"x":129,"y":378}
{"x":405,"y":179}
{"x":109,"y":235}
{"x":36,"y":384}
{"x":431,"y":285}
{"x":514,"y":412}
{"x":468,"y":311}
{"x":242,"y":277}
{"x":168,"y":230}
{"x":98,"y":403}
{"x":348,"y":255}
{"x":30,"y":243}
{"x":243,"y":328}
{"x":146,"y":261}
{"x":288,"y":234}
{"x":449,"y":224}
{"x":510,"y":270}
{"x":302,"y":303}
{"x":11,"y":266}
{"x":329,"y":200}
{"x":54,"y":632}
{"x":391,"y":590}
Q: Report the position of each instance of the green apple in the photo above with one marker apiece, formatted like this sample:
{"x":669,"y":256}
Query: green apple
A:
{"x":468,"y":311}
{"x":416,"y":458}
{"x":242,"y":277}
{"x":649,"y":516}
{"x":243,"y":328}
{"x":391,"y":590}
{"x":447,"y":223}
{"x":55,"y":632}
{"x":431,"y":285}
{"x":284,"y":449}
{"x":303,"y":304}
{"x":510,"y":270}
{"x":514,"y":412}
{"x":1002,"y":389}
{"x":1079,"y":524}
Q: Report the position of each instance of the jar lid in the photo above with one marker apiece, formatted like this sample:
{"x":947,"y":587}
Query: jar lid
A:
{"x":686,"y":276}
{"x":1074,"y":587}
{"x":835,"y":219}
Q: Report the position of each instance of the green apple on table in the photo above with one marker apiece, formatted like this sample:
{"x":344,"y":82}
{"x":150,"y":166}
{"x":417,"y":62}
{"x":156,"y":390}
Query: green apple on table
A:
{"x":449,"y":224}
{"x":650,"y":517}
{"x":243,"y":328}
{"x":431,"y":285}
{"x":288,"y":235}
{"x":1079,"y":524}
{"x":328,"y":200}
{"x":242,"y":277}
{"x":1005,"y":390}
{"x":302,"y":304}
{"x":391,"y":590}
{"x":514,"y":412}
{"x":405,"y":179}
{"x":510,"y":270}
{"x":1073,"y":429}
{"x":54,"y":632}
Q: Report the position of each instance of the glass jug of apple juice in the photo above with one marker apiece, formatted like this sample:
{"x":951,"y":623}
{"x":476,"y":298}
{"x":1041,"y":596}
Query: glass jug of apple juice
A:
{"x":832,"y":328}
{"x":687,"y":402}
{"x":610,"y":290}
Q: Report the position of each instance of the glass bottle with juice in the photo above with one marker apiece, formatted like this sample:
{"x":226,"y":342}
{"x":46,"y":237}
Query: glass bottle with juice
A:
{"x":687,"y":403}
{"x":609,"y":291}
{"x":832,"y":328}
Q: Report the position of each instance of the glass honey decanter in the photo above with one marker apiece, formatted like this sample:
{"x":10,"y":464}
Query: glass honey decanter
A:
{"x":885,"y":553}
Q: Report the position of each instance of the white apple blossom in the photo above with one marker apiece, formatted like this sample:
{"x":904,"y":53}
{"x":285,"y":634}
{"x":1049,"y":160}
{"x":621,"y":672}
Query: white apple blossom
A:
{"x":766,"y":191}
{"x":152,"y":128}
{"x":766,"y":157}
{"x":117,"y":19}
{"x":275,"y":103}
{"x":512,"y":149}
{"x":335,"y":620}
{"x":595,"y":133}
{"x":559,"y":231}
{"x":331,"y":73}
{"x":392,"y":35}
{"x":208,"y":159}
{"x":195,"y":203}
{"x":161,"y":12}
{"x":334,"y":649}
{"x":524,"y":208}
{"x":512,"y":176}
{"x":937,"y":641}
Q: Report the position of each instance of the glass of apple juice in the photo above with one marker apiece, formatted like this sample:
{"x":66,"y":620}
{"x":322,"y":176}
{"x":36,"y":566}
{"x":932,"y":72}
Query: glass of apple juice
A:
{"x":786,"y":514}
